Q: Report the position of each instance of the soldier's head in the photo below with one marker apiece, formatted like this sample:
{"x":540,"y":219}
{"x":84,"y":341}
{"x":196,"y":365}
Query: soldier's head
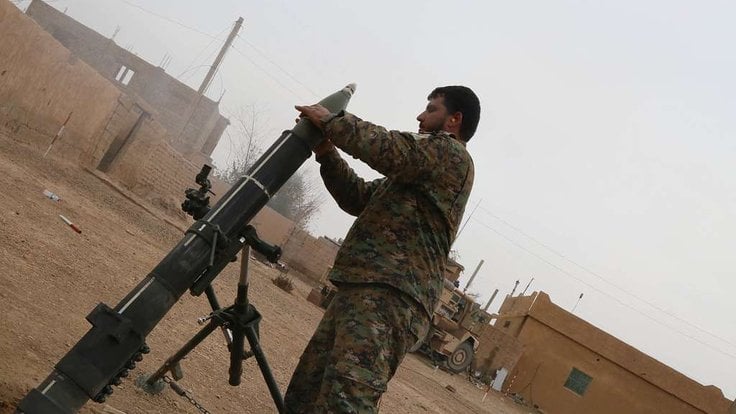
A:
{"x":453,"y":109}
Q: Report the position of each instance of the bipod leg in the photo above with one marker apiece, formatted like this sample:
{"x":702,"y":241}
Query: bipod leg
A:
{"x":247,"y":325}
{"x":236,"y":357}
{"x":255,"y":347}
{"x":153,"y":384}
{"x":215,"y":305}
{"x":149,"y":385}
{"x":240,"y":315}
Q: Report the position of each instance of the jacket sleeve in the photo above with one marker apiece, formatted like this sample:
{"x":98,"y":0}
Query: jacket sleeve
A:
{"x":351,"y":192}
{"x":403,"y":156}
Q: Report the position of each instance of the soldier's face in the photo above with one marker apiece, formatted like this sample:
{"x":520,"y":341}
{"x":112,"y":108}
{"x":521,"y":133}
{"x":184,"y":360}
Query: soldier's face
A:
{"x":435,"y":117}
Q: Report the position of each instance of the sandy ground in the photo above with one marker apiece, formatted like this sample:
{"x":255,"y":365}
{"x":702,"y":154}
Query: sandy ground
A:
{"x":52,"y":277}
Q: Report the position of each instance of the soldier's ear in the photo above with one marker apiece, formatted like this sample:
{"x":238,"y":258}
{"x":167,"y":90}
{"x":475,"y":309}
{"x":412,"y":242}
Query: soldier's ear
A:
{"x":458,"y":117}
{"x":455,"y":121}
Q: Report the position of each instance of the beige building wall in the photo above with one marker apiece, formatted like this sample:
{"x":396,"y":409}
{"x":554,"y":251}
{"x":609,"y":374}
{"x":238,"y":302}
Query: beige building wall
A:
{"x":193,"y":121}
{"x":453,"y":270}
{"x":497,"y":350}
{"x":309,"y":255}
{"x":624,"y":380}
{"x":41,"y":83}
{"x":272,"y":226}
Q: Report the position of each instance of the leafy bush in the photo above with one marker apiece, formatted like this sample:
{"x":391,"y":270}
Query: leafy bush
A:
{"x":284,"y":282}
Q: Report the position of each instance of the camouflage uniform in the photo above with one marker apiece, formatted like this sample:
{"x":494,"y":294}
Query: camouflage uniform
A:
{"x":389,"y":270}
{"x":355,"y":350}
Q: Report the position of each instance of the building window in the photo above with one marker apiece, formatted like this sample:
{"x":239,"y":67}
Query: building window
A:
{"x":125,"y":74}
{"x":507,"y":324}
{"x":578,"y":381}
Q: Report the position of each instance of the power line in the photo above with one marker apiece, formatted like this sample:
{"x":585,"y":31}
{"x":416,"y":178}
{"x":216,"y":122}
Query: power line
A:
{"x":168,"y":19}
{"x":263,"y":54}
{"x":194,"y":60}
{"x":267,"y":73}
{"x":600,"y":277}
{"x":192,"y":69}
{"x":459,"y":232}
{"x":194,"y":29}
{"x":563,"y":271}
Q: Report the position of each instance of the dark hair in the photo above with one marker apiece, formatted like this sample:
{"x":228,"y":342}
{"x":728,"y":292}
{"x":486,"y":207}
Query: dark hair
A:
{"x":461,"y":99}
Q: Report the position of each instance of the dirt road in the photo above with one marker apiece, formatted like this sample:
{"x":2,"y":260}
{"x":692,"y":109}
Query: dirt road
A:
{"x":52,"y":277}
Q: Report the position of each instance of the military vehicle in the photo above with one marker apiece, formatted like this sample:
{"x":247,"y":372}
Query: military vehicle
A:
{"x":456,"y":326}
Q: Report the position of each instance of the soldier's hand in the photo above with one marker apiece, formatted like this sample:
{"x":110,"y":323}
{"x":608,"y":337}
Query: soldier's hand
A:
{"x":323,"y":148}
{"x":314,"y":113}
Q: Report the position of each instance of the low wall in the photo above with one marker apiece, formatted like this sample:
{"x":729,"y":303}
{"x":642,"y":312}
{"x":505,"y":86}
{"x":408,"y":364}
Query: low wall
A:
{"x":311,"y":256}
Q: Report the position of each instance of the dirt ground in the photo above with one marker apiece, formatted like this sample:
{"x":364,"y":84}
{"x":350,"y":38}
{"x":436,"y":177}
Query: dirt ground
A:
{"x":52,"y":277}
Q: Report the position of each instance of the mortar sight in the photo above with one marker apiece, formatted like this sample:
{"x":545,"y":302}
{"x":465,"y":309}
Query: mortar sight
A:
{"x":197,"y":203}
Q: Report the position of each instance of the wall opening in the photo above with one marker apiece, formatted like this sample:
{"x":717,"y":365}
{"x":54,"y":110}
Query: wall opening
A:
{"x":121,"y":140}
{"x":124,"y":75}
{"x":578,"y":381}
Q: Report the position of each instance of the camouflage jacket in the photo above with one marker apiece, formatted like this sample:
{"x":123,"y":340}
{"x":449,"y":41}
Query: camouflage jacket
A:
{"x":407,"y":221}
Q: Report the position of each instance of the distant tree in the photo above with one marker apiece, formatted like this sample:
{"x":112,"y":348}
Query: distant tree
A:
{"x":298,"y":199}
{"x":246,"y":147}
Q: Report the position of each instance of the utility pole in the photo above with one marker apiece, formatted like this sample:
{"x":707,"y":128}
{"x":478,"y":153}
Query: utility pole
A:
{"x":115,"y":33}
{"x":467,"y":285}
{"x":516,"y":284}
{"x":527,"y":287}
{"x":493,"y":296}
{"x":208,"y":78}
{"x":576,"y":303}
{"x":220,"y":56}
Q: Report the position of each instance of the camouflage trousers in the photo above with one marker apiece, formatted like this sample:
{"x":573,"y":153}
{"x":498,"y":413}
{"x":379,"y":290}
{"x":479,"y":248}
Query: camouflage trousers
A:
{"x":357,"y":347}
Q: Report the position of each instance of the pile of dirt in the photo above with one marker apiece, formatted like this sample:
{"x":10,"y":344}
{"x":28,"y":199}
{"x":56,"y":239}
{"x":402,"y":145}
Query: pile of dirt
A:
{"x":52,"y":277}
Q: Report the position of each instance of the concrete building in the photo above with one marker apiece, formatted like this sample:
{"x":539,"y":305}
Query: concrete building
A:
{"x":569,"y":366}
{"x":453,"y":270}
{"x":497,"y":350}
{"x":193,"y":121}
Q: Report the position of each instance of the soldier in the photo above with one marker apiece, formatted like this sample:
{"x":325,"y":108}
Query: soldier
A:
{"x":390,"y":267}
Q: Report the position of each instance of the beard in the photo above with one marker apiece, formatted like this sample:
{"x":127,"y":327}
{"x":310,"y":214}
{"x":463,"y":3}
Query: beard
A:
{"x":429,"y":128}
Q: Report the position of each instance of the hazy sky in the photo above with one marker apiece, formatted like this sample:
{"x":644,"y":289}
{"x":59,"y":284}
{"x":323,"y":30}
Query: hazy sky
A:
{"x":604,"y":157}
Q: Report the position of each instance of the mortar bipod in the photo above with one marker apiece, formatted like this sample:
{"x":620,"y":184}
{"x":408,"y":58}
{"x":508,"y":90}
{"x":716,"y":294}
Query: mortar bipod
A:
{"x":237,"y":322}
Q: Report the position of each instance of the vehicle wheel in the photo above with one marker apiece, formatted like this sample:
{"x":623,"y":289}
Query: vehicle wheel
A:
{"x":461,"y":358}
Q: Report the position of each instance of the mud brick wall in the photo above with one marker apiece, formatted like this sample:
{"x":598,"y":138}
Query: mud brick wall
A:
{"x":497,"y":349}
{"x":272,"y":226}
{"x":119,"y":123}
{"x":41,"y":83}
{"x":310,"y":256}
{"x":156,"y":171}
{"x":161,"y":176}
